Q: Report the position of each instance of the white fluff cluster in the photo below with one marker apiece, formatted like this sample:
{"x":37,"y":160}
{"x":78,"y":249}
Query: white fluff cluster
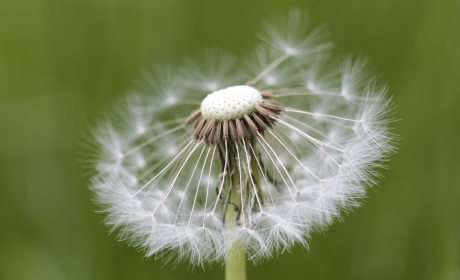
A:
{"x":162,"y":189}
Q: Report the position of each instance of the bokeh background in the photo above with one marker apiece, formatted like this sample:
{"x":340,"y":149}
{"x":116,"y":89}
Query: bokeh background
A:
{"x":62,"y":62}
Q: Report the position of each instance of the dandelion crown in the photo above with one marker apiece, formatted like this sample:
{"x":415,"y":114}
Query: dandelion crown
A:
{"x":219,"y":155}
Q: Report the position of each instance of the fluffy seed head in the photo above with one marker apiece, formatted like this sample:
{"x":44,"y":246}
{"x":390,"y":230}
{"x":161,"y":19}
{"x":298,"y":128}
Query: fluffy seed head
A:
{"x":230,"y":103}
{"x":256,"y":167}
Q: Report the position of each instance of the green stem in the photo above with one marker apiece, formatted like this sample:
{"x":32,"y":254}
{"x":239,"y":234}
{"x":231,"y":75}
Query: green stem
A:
{"x":235,"y":267}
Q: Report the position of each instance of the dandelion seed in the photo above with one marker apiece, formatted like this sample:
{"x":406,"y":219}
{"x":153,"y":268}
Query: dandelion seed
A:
{"x":253,"y":166}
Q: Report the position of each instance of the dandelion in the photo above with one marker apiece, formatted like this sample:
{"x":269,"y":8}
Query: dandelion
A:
{"x":257,"y":156}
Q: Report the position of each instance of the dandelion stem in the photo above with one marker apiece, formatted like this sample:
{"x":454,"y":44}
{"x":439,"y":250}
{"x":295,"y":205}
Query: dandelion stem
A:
{"x":238,"y":184}
{"x":235,"y":267}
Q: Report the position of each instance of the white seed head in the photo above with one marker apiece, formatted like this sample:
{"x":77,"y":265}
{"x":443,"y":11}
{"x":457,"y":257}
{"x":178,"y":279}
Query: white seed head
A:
{"x":164,"y":183}
{"x":230,"y":103}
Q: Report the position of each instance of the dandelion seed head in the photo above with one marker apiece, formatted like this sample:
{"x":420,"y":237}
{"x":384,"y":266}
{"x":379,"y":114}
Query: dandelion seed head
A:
{"x":200,"y":158}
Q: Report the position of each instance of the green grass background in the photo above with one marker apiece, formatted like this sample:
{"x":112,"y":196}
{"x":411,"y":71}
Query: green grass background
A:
{"x":63,"y":61}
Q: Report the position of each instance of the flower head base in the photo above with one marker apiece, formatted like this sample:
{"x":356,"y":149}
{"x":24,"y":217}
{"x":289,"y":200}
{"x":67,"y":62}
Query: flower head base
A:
{"x":231,"y":113}
{"x":256,"y":166}
{"x":230,"y":103}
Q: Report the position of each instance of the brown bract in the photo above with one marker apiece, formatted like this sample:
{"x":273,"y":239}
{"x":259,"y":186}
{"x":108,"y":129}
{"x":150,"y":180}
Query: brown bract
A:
{"x":213,"y":131}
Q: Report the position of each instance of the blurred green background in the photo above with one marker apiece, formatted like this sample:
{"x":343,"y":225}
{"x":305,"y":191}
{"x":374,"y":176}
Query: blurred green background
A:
{"x":63,"y":61}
